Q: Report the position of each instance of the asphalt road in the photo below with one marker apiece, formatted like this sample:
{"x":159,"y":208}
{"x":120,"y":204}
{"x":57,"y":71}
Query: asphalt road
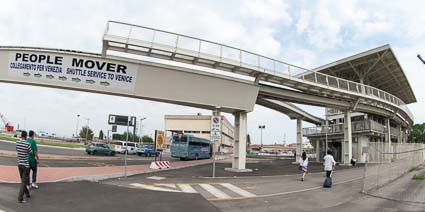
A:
{"x":117,"y":160}
{"x":10,"y":146}
{"x":86,"y":196}
{"x":135,"y":160}
{"x":261,"y":168}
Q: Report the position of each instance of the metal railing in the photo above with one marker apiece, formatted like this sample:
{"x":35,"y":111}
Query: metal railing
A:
{"x":356,"y":126}
{"x":173,"y":45}
{"x":386,"y":164}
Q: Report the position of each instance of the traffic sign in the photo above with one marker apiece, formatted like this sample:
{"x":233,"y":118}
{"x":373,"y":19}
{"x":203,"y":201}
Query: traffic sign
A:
{"x":122,"y":120}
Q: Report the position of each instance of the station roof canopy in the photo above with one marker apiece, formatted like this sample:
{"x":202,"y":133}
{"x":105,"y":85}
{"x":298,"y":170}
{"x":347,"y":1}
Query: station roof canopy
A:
{"x":377,"y":67}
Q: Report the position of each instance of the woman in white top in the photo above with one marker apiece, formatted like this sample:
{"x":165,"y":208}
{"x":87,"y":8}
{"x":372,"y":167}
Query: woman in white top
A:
{"x":303,"y":165}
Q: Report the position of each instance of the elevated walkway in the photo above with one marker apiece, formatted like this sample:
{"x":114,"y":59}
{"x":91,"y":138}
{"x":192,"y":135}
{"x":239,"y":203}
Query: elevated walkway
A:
{"x":139,"y":40}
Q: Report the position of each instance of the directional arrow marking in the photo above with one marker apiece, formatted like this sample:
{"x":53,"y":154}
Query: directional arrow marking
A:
{"x":27,"y":74}
{"x":62,"y":78}
{"x":90,"y":81}
{"x":105,"y":83}
{"x":38,"y":75}
{"x":50,"y":76}
{"x":76,"y":80}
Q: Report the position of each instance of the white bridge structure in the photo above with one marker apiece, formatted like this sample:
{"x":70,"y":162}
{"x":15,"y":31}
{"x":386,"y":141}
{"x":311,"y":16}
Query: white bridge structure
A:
{"x":254,"y":79}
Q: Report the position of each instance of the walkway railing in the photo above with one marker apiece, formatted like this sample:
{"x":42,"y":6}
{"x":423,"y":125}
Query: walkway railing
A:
{"x":167,"y":45}
{"x":356,"y":126}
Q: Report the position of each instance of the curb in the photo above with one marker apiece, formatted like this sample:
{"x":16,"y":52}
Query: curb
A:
{"x":97,"y":178}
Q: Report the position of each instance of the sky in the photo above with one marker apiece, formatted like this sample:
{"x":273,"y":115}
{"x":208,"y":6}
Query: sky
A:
{"x":305,"y":33}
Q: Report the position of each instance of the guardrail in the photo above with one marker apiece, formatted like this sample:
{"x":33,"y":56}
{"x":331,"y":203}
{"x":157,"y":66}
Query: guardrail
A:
{"x":154,"y":41}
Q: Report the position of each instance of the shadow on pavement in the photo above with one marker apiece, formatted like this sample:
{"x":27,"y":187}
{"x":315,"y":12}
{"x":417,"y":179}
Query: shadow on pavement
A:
{"x":87,"y":196}
{"x":260,"y":168}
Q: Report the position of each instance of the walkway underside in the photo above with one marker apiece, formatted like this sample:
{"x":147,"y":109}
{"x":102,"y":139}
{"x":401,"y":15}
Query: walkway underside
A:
{"x":290,"y":110}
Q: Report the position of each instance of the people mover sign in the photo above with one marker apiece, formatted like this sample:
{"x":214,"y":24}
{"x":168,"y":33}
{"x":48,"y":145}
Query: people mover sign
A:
{"x":90,"y":71}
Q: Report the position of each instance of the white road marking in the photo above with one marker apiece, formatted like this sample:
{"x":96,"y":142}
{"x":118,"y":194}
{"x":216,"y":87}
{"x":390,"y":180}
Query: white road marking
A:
{"x":166,"y":185}
{"x":153,"y":188}
{"x":307,"y":189}
{"x":214,"y":191}
{"x":238,"y":190}
{"x":187,"y":188}
{"x":156,"y":178}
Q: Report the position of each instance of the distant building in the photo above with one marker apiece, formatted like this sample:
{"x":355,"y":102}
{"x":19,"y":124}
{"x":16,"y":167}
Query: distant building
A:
{"x":200,"y":126}
{"x":279,"y":148}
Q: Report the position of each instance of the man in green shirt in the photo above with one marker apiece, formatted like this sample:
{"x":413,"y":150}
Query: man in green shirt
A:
{"x":33,"y":160}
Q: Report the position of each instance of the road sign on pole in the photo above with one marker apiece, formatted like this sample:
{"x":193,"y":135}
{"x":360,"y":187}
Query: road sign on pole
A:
{"x":215,"y":134}
{"x":122,"y":120}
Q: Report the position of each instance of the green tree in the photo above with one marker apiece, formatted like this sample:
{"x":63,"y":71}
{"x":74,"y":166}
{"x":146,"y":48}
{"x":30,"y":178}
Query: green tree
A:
{"x":417,"y":133}
{"x":101,"y":135}
{"x":86,"y":132}
{"x":123,"y":137}
{"x":147,"y":139}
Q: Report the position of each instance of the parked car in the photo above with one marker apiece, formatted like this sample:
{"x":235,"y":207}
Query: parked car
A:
{"x":122,"y":146}
{"x":147,"y":152}
{"x":17,"y":133}
{"x":132,"y":147}
{"x":97,"y":148}
{"x":119,"y":146}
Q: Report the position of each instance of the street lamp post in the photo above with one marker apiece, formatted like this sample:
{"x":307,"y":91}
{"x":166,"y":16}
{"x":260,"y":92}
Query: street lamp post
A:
{"x":262,"y":127}
{"x":141,"y":130}
{"x":87,"y":129}
{"x":76,"y":130}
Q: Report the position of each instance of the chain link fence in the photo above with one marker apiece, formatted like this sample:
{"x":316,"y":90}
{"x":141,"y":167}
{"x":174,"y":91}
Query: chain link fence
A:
{"x":387,"y":163}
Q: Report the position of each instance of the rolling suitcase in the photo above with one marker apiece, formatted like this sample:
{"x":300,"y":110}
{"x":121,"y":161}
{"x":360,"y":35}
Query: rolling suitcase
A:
{"x":328,"y":182}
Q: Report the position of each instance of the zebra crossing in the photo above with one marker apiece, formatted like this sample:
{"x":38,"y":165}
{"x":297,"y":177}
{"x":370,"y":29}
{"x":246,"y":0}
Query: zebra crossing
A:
{"x":210,"y":191}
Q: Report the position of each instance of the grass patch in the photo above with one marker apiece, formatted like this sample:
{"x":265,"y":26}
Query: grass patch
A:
{"x":44,"y":142}
{"x":8,"y":138}
{"x":418,"y":177}
{"x":60,"y":144}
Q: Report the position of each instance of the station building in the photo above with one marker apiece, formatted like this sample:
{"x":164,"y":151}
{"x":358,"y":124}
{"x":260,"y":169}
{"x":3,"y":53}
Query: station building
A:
{"x":348,"y":132}
{"x":200,"y":126}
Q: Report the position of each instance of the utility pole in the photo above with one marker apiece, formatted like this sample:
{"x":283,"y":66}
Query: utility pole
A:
{"x":87,"y":130}
{"x":141,"y":130}
{"x":76,"y":130}
{"x":262,"y":127}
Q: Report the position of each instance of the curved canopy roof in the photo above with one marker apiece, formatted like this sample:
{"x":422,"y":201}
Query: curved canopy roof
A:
{"x":377,"y":67}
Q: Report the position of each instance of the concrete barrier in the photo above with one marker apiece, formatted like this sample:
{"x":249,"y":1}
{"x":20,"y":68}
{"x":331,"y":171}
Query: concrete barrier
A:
{"x":160,"y":165}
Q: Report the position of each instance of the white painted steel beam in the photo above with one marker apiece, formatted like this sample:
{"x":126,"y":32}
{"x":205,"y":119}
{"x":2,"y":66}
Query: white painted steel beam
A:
{"x":150,"y":81}
{"x":347,"y":145}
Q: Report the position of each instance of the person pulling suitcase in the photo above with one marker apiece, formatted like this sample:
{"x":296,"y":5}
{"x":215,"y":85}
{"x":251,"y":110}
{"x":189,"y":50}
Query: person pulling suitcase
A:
{"x":329,"y":167}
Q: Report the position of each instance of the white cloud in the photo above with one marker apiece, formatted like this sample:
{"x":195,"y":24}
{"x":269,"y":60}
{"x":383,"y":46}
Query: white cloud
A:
{"x":267,"y":10}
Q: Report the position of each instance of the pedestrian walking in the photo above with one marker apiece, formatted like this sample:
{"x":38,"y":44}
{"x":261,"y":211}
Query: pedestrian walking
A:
{"x":23,"y":149}
{"x":329,"y":167}
{"x":33,"y":160}
{"x":303,"y":165}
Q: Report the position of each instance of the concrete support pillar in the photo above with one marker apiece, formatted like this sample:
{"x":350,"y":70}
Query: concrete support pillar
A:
{"x":239,"y":150}
{"x":317,"y":150}
{"x":299,"y":139}
{"x":400,"y":135}
{"x":388,"y":137}
{"x":347,"y":144}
